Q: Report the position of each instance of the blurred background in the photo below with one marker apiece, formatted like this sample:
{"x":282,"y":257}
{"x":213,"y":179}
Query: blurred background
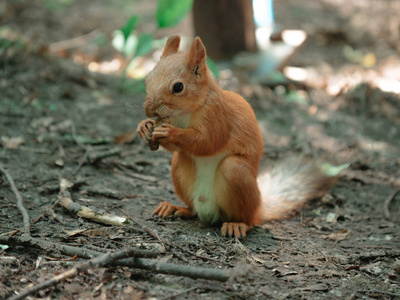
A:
{"x":346,"y":41}
{"x":323,"y":78}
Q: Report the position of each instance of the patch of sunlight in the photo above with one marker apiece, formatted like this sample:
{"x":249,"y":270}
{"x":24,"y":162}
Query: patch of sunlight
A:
{"x":294,"y":73}
{"x":388,"y":85}
{"x":111,"y":66}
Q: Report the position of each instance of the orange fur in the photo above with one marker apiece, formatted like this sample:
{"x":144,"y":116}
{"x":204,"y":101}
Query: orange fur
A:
{"x":216,"y":145}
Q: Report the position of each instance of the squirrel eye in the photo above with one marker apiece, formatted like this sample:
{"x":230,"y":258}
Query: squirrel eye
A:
{"x":178,"y":87}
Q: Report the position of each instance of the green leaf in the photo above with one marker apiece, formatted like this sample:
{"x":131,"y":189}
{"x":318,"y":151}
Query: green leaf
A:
{"x":330,"y":217}
{"x":126,"y":47}
{"x":171,"y":12}
{"x":213,"y":67}
{"x":317,"y":212}
{"x":4,"y":247}
{"x":331,"y":170}
{"x":144,"y":45}
{"x":129,"y":26}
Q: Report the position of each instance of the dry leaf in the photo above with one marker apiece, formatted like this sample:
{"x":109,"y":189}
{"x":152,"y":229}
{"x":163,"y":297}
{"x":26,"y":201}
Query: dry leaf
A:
{"x":74,"y":232}
{"x":95,"y":232}
{"x":338,"y":236}
{"x":125,"y":138}
{"x":12,"y":142}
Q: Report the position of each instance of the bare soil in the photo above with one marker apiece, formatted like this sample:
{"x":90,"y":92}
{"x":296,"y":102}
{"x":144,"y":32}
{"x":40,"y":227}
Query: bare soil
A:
{"x":55,"y":116}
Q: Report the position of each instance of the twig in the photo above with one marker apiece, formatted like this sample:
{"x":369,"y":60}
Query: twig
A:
{"x":48,"y":246}
{"x":95,"y":156}
{"x":97,"y":262}
{"x":136,"y":175}
{"x":181,"y":293}
{"x":82,"y":146}
{"x":81,"y":162}
{"x":74,"y":42}
{"x":115,"y":259}
{"x":174,"y":269}
{"x":103,"y":191}
{"x":143,"y":225}
{"x":387,"y":202}
{"x":20,"y":204}
{"x":65,"y":200}
{"x":380,"y":292}
{"x":326,"y":258}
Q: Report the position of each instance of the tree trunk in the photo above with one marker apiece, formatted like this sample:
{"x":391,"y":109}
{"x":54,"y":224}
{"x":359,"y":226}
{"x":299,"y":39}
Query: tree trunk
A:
{"x":225,"y":26}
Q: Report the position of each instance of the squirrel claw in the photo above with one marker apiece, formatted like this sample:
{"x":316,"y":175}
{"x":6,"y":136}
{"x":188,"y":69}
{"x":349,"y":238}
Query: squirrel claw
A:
{"x":144,"y":130}
{"x":237,"y":230}
{"x":162,"y":131}
{"x":166,"y":209}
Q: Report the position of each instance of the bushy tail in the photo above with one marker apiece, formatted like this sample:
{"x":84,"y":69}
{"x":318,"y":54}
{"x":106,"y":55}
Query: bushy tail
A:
{"x":290,"y":184}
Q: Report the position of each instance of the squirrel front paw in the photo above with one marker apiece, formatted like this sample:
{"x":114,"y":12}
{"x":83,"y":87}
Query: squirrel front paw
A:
{"x":165,"y":209}
{"x":163,"y":132}
{"x":145,"y":131}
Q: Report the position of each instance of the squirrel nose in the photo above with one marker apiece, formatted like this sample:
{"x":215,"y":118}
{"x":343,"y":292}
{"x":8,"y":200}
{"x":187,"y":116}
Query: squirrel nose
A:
{"x":149,"y":107}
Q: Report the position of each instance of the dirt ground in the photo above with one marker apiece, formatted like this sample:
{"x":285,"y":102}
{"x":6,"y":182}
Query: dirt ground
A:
{"x":58,"y":120}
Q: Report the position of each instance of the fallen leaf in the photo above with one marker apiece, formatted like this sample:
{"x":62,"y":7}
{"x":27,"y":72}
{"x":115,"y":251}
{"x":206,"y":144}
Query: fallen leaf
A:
{"x":74,"y":232}
{"x":4,"y":247}
{"x":338,"y":236}
{"x":59,"y":162}
{"x":280,"y":272}
{"x":331,"y":170}
{"x":330,"y":217}
{"x":353,"y":267}
{"x":95,"y":232}
{"x":125,"y":138}
{"x":12,"y":142}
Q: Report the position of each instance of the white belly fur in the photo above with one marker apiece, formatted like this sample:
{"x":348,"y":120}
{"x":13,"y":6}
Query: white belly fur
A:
{"x":204,"y":201}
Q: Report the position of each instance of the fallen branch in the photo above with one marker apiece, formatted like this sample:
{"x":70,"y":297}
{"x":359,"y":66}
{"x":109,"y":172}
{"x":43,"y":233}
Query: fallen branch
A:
{"x":48,"y":246}
{"x":387,"y":202}
{"x":97,"y":262}
{"x":65,"y":200}
{"x":141,"y":263}
{"x":20,"y":204}
{"x":174,"y":269}
{"x":118,"y":258}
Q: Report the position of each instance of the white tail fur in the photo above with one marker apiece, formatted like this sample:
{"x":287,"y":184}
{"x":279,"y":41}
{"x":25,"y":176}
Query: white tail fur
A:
{"x":290,"y":184}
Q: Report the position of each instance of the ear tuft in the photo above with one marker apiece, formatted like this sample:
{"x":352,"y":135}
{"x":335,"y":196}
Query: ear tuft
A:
{"x":196,"y":57}
{"x":172,"y":46}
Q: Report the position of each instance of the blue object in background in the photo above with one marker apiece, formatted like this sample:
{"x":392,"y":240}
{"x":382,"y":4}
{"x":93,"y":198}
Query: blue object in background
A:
{"x":263,"y":13}
{"x":264,"y":19}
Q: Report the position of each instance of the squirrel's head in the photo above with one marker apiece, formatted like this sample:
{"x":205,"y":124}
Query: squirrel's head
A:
{"x":178,"y":83}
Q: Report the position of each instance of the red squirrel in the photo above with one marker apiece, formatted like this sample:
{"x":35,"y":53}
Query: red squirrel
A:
{"x":217,"y":146}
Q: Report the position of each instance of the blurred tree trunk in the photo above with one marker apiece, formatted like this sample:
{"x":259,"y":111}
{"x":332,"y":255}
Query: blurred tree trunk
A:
{"x":225,"y":26}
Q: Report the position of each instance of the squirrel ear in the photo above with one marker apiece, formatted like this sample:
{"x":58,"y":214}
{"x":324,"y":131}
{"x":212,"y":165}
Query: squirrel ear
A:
{"x":196,"y":57}
{"x":171,"y":46}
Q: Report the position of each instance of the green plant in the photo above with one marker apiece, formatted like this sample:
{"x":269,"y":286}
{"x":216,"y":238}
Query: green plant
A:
{"x":168,"y":13}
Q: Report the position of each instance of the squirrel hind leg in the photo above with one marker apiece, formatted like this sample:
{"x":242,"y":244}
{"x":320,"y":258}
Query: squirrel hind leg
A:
{"x":236,"y":192}
{"x":237,"y":230}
